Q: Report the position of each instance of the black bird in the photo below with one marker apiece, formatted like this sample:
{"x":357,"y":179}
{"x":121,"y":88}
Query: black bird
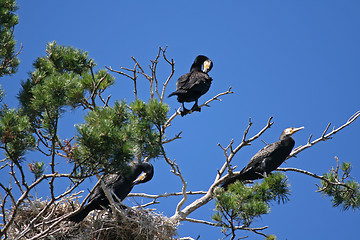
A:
{"x":119,"y":184}
{"x":191,"y":86}
{"x":267,"y":159}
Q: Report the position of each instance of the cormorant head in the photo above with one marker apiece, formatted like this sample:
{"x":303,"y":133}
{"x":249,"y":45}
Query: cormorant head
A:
{"x":147,"y":175}
{"x":289,"y":131}
{"x":207,"y":66}
{"x":203,"y":62}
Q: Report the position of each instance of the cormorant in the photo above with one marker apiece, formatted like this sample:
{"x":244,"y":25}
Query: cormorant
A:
{"x":191,"y":86}
{"x":267,"y":159}
{"x":119,"y":184}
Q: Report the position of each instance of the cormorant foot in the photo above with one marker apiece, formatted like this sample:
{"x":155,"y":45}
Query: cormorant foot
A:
{"x":184,"y":112}
{"x":196,"y":108}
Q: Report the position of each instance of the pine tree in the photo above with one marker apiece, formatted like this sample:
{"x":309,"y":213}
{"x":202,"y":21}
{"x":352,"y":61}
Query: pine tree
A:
{"x":8,"y":55}
{"x":109,"y":138}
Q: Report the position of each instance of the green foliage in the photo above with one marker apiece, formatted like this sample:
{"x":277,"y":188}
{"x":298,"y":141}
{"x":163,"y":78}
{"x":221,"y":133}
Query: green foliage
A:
{"x":343,"y":193}
{"x":15,"y":136}
{"x":101,"y":79}
{"x":143,"y":118}
{"x":271,"y":237}
{"x":241,"y":204}
{"x":103,"y":139}
{"x":8,"y":20}
{"x":60,"y":79}
{"x":112,"y":136}
{"x":64,"y":59}
{"x":37,"y":168}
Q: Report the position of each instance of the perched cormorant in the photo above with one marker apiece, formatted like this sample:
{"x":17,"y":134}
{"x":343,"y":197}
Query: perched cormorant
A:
{"x":191,"y":86}
{"x":267,"y":159}
{"x":119,"y":184}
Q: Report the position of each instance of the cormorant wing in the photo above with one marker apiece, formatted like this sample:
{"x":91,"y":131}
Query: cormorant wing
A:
{"x":183,"y":82}
{"x":194,"y":81}
{"x":261,"y":155}
{"x":109,"y":179}
{"x":201,"y":82}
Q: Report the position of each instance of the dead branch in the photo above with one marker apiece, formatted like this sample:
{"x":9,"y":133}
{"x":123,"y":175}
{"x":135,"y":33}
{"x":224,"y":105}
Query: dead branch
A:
{"x":172,"y":64}
{"x":206,"y":104}
{"x":337,"y":183}
{"x":177,"y":136}
{"x":165,"y":195}
{"x":176,"y":171}
{"x":133,"y":78}
{"x":213,"y":224}
{"x":151,"y":77}
{"x":177,"y":112}
{"x":324,"y":136}
{"x":45,"y":209}
{"x":181,"y":215}
{"x":243,"y":143}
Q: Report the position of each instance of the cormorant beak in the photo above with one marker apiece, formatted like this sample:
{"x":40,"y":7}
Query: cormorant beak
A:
{"x":140,"y":178}
{"x":207,"y":66}
{"x":294,"y":130}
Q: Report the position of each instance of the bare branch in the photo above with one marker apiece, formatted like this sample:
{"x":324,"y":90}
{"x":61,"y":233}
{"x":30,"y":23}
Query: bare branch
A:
{"x":213,"y":224}
{"x":109,"y":195}
{"x":165,"y":194}
{"x":172,"y":64}
{"x":153,"y":78}
{"x":177,"y":136}
{"x":23,"y":197}
{"x":168,"y":122}
{"x":181,"y":215}
{"x":133,"y":78}
{"x":120,"y":72}
{"x":177,"y":172}
{"x":216,"y":98}
{"x":230,"y":170}
{"x":44,"y":210}
{"x":202,"y":222}
{"x":324,"y":136}
{"x":147,"y":204}
{"x":206,"y":104}
{"x":315,"y":176}
{"x":243,"y":143}
{"x":256,"y":231}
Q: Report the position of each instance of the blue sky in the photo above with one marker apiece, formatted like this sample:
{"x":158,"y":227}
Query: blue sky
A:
{"x":295,"y":60}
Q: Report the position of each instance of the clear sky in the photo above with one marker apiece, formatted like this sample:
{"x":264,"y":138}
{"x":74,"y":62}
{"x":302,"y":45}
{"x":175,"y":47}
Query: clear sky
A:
{"x":298,"y":61}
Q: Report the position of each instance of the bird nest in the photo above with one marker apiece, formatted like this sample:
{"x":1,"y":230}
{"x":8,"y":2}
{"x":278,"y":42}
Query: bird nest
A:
{"x":41,"y":220}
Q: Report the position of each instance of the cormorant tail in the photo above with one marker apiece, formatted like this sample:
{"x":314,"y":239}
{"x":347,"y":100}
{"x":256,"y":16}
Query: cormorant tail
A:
{"x":177,"y":92}
{"x":228,"y":182}
{"x":241,"y":177}
{"x":172,"y":94}
{"x":79,"y":216}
